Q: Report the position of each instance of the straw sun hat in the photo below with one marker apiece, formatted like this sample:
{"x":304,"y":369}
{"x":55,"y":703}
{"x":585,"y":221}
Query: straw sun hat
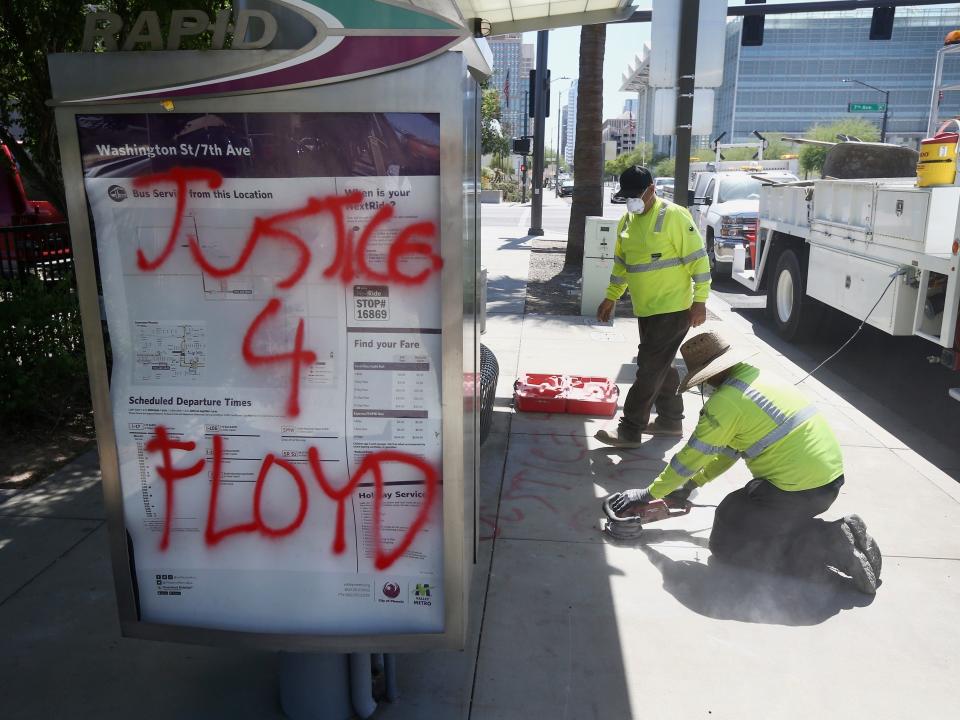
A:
{"x":706,"y":355}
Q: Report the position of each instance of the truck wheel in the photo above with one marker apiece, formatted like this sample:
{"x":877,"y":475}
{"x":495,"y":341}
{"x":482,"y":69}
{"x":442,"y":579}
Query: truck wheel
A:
{"x":719,"y":272}
{"x":794,"y":314}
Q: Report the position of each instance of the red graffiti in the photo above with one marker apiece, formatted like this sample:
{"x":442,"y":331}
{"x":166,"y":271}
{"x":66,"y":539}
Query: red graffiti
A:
{"x":269,"y":461}
{"x":298,"y":358}
{"x":338,"y":496}
{"x":402,"y":247}
{"x":372,"y":464}
{"x":349,"y":261}
{"x":350,"y":258}
{"x":180,"y":177}
{"x":161,"y":442}
{"x":262,"y":227}
{"x":211,"y":534}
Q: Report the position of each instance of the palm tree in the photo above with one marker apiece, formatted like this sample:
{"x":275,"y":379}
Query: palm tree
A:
{"x":587,"y":153}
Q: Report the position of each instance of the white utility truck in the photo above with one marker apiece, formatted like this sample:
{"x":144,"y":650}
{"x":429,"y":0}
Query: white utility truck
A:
{"x":869,"y":241}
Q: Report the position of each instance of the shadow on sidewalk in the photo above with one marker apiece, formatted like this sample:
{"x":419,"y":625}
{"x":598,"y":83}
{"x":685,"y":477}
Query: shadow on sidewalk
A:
{"x":890,"y":371}
{"x":726,"y":592}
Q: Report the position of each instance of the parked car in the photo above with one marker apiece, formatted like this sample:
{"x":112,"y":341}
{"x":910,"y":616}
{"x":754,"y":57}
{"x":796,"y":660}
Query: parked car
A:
{"x":727,"y":206}
{"x":662,"y":182}
{"x":566,"y":188}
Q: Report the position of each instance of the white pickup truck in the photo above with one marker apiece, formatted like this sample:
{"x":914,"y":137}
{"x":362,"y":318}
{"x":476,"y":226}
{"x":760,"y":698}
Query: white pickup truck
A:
{"x":726,"y":208}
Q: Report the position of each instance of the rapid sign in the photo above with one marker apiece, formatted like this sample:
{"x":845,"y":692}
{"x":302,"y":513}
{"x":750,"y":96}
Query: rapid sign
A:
{"x":350,"y":39}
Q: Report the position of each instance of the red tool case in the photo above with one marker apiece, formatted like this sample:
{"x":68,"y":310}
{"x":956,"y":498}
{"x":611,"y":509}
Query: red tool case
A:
{"x":576,"y":394}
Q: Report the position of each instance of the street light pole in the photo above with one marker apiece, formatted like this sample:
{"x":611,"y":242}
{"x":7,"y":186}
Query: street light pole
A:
{"x":523,"y":174}
{"x":883,"y":123}
{"x":556,"y":175}
{"x":886,"y":104}
{"x":540,"y":98}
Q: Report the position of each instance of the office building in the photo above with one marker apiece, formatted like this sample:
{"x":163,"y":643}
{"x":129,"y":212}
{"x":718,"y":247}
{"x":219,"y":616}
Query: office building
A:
{"x":636,"y":79}
{"x":512,"y":61}
{"x":794,"y":80}
{"x":632,"y":106}
{"x":621,"y":130}
{"x":571,"y":132}
{"x":563,"y":131}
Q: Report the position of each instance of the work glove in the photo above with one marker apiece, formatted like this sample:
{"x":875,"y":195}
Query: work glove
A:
{"x":681,"y":494}
{"x":624,"y":500}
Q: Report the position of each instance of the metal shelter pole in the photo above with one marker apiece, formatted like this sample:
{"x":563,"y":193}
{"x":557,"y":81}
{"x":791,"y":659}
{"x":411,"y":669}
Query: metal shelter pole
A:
{"x":539,"y":134}
{"x":686,"y":69}
{"x":315,"y":686}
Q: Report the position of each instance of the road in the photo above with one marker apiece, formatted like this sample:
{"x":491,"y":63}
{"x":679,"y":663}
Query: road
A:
{"x":893,"y":372}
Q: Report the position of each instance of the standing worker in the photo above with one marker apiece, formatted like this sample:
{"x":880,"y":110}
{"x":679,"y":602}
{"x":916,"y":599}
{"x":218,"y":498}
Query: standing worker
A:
{"x":660,"y":257}
{"x":797,"y":466}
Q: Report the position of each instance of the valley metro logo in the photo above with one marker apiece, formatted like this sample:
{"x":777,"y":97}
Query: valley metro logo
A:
{"x":421,"y":594}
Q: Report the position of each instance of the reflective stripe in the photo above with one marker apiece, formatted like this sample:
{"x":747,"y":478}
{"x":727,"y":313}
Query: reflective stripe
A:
{"x":619,"y":259}
{"x":702,"y":447}
{"x":680,"y":469}
{"x":660,"y":216}
{"x":696,"y":255}
{"x":617,"y":280}
{"x":758,"y":399}
{"x":780,"y":432}
{"x":655,"y":265}
{"x":701,"y":277}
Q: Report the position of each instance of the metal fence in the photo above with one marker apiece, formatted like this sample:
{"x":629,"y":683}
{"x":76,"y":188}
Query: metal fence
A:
{"x":42,"y":251}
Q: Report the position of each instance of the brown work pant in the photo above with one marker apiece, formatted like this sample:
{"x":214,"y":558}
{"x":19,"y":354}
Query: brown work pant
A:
{"x":766,"y":528}
{"x":657,"y":379}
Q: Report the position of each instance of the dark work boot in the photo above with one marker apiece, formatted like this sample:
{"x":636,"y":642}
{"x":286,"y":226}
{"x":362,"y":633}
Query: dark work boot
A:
{"x":664,"y":428}
{"x":619,"y":438}
{"x":856,"y":531}
{"x":853,"y":562}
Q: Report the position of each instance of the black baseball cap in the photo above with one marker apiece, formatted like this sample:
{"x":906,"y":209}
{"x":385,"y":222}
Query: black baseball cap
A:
{"x":633,"y":181}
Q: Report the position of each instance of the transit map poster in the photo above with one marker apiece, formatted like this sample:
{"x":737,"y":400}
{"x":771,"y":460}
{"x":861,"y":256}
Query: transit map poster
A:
{"x":271,"y":284}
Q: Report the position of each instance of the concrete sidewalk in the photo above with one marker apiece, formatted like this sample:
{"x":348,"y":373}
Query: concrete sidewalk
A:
{"x":564,"y":623}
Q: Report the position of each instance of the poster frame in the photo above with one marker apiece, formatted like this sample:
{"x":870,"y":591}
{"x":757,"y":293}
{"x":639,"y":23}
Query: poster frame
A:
{"x":416,"y":89}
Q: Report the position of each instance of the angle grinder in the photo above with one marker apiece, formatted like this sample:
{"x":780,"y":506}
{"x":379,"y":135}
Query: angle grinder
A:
{"x":629,"y":527}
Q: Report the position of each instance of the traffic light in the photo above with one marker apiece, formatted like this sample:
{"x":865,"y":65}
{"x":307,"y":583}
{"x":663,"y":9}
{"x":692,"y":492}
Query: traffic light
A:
{"x":881,"y":24}
{"x":532,"y":95}
{"x":523,"y":167}
{"x":752,"y":35}
{"x":522,"y":146}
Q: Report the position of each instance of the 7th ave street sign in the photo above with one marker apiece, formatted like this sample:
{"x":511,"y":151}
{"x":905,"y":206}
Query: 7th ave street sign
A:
{"x":866,"y":107}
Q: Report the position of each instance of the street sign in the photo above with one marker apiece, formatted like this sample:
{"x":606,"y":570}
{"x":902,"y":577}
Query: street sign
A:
{"x":666,"y":44}
{"x":866,"y":107}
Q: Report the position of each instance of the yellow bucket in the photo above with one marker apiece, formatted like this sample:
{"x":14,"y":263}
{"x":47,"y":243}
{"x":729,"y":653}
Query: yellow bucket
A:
{"x":938,"y":158}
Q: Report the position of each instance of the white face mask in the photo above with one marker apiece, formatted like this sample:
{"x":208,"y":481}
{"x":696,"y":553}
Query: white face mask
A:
{"x":635,"y":205}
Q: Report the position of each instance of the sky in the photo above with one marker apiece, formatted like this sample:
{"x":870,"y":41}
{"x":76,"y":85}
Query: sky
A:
{"x":563,"y":53}
{"x":624,"y":42}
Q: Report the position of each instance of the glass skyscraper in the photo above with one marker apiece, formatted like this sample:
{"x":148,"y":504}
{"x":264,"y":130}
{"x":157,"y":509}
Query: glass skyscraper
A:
{"x":512,"y":60}
{"x":793,"y":80}
{"x":571,"y":130}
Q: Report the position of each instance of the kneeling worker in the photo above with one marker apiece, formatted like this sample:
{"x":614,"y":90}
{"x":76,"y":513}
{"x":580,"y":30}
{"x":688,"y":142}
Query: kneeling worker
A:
{"x":797,"y":466}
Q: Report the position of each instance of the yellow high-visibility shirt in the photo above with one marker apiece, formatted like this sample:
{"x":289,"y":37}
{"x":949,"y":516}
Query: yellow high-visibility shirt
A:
{"x":773,"y":427}
{"x":660,"y":257}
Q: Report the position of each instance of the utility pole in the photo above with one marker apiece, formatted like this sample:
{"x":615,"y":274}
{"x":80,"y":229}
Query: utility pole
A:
{"x":539,"y":133}
{"x":883,"y":123}
{"x":686,"y":69}
{"x":523,"y":158}
{"x":556,"y":175}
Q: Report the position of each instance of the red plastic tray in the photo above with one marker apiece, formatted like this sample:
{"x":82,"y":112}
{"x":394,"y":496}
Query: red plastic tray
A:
{"x":540,"y":392}
{"x":591,"y":396}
